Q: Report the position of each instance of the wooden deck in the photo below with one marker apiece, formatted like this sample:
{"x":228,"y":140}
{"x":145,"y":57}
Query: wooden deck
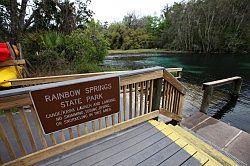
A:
{"x":149,"y":143}
{"x":125,"y":137}
{"x":140,"y":145}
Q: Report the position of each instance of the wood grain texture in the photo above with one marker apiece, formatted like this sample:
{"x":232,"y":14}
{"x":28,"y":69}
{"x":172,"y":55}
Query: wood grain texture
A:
{"x":61,"y":135}
{"x":124,"y":102}
{"x":12,"y":62}
{"x":70,"y":144}
{"x":170,"y":114}
{"x":78,"y":130}
{"x":136,"y":100}
{"x":27,"y":129}
{"x":52,"y":138}
{"x":15,"y":101}
{"x":141,"y":77}
{"x":39,"y":128}
{"x":174,"y":82}
{"x":6,"y":142}
{"x":71,"y":135}
{"x":13,"y":126}
{"x":130,"y":101}
{"x":141,"y":98}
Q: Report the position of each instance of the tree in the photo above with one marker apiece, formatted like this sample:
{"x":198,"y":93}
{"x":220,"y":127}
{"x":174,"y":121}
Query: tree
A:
{"x":207,"y":25}
{"x":63,"y":16}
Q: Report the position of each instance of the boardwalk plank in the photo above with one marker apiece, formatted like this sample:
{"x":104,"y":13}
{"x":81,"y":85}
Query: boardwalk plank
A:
{"x":191,"y":162}
{"x":177,"y":159}
{"x":130,"y":150}
{"x":97,"y":146}
{"x":161,"y":156}
{"x":116,"y":148}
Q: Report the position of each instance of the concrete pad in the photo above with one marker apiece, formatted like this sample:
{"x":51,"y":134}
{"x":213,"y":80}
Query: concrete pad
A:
{"x":217,"y":132}
{"x":195,"y":119}
{"x":240,"y":147}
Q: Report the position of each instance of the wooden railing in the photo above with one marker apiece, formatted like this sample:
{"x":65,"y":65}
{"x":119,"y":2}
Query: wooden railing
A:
{"x":143,"y":93}
{"x":51,"y":79}
{"x":208,"y":88}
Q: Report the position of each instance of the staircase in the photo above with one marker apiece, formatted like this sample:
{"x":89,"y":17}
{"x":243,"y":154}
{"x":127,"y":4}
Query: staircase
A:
{"x":197,"y":148}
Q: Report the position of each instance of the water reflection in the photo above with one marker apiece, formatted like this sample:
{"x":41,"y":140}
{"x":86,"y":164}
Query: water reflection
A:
{"x":197,"y":69}
{"x":229,"y":106}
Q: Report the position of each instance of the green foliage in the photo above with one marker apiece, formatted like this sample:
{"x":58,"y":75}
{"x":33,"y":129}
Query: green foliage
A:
{"x":115,"y":35}
{"x":135,"y":39}
{"x":80,"y":51}
{"x":52,"y":40}
{"x":207,"y":26}
{"x":88,"y":44}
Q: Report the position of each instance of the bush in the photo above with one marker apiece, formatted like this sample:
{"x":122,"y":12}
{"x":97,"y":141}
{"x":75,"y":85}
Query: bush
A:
{"x":48,"y":62}
{"x":52,"y":52}
{"x":89,"y":44}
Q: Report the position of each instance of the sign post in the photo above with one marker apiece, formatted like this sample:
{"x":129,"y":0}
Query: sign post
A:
{"x":66,"y":106}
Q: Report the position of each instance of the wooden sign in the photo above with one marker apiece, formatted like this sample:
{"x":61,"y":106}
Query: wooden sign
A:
{"x":62,"y":107}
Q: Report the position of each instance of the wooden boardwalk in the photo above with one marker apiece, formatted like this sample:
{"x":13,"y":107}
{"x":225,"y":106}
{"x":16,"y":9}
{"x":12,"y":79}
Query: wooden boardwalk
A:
{"x":149,"y":143}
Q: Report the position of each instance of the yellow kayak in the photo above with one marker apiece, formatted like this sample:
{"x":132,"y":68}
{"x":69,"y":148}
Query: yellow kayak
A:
{"x":8,"y":73}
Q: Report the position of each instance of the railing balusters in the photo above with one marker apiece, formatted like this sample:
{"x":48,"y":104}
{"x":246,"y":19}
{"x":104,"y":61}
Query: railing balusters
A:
{"x":141,"y":98}
{"x":124,"y":102}
{"x":86,"y":128}
{"x":170,"y":98}
{"x":61,"y":135}
{"x":15,"y":132}
{"x":119,"y":117}
{"x":39,"y":128}
{"x":53,"y":139}
{"x":78,"y":130}
{"x":113,"y":119}
{"x":151,"y":95}
{"x":130,"y":100}
{"x":100,"y":123}
{"x":163,"y":94}
{"x":136,"y":100}
{"x":146,"y":99}
{"x":71,"y":135}
{"x":107,"y":121}
{"x":6,"y":142}
{"x":27,"y":129}
{"x":93,"y":125}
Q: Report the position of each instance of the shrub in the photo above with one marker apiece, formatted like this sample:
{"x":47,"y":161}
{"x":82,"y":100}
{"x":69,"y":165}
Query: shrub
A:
{"x":88,"y":44}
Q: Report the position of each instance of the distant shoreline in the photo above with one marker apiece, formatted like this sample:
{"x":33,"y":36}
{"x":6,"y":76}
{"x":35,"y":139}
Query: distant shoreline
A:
{"x":144,"y":51}
{"x":161,"y":51}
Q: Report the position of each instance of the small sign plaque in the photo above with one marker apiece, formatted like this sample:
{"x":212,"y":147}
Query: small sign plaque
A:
{"x":66,"y":106}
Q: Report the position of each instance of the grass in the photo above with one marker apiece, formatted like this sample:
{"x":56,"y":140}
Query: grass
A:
{"x":11,"y":110}
{"x":140,"y":51}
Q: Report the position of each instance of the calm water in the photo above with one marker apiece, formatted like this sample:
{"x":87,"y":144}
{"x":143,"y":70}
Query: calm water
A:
{"x":198,"y":69}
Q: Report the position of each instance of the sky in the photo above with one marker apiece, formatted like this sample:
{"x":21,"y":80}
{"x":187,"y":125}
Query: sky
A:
{"x":115,"y":10}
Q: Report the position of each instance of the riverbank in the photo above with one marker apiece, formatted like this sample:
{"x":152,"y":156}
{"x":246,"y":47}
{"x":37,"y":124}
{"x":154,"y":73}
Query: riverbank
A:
{"x":144,"y":51}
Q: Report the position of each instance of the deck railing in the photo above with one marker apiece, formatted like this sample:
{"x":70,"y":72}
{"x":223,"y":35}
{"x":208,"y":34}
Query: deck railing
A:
{"x":208,"y":88}
{"x":143,"y":93}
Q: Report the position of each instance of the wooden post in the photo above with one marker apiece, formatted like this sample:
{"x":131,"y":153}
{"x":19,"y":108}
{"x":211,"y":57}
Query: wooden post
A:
{"x":236,"y":87}
{"x":207,"y":95}
{"x":156,"y":94}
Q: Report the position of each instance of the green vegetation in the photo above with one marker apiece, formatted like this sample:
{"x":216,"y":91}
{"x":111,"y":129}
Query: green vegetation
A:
{"x":60,"y":37}
{"x":142,"y":51}
{"x":197,"y":26}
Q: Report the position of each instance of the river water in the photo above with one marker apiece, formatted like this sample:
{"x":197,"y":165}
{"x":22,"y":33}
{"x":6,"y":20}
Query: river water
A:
{"x":197,"y":69}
